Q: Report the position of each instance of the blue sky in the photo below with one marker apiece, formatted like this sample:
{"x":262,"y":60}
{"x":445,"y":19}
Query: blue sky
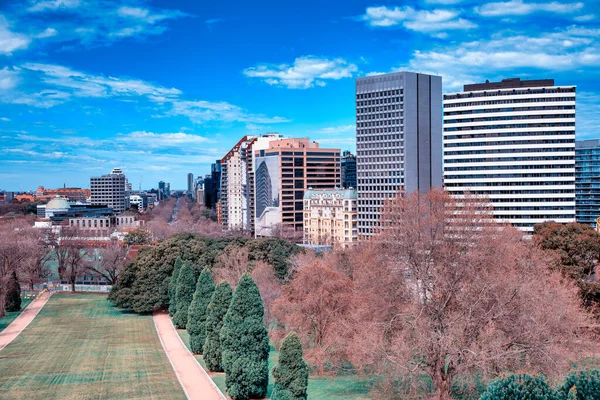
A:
{"x":163,"y":88}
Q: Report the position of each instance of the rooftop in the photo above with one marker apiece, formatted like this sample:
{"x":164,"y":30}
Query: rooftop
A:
{"x":339,"y":193}
{"x":509,"y":83}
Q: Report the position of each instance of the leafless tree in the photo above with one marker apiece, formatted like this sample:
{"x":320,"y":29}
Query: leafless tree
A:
{"x":14,"y":250}
{"x":108,"y":261}
{"x":70,"y":251}
{"x":232,"y":264}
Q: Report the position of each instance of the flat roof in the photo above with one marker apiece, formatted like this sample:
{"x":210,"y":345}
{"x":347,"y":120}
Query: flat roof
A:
{"x":509,"y":83}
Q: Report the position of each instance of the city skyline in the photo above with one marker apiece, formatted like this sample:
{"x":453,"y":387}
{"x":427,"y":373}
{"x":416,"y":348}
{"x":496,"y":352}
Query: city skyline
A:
{"x":162,"y":89}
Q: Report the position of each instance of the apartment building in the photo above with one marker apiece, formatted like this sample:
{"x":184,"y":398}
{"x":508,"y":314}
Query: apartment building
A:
{"x":330,"y":217}
{"x":514,"y":143}
{"x":398,"y":140}
{"x":587,"y":181}
{"x":235,"y":190}
{"x":110,"y":190}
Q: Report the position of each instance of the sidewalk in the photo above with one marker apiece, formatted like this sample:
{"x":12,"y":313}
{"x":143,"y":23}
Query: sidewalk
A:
{"x":21,"y":322}
{"x":195,"y":381}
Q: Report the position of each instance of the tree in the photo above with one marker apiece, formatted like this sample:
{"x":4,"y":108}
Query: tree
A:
{"x":233,"y":263}
{"x":35,"y":266}
{"x":13,"y":295}
{"x":138,"y":237}
{"x":215,"y":313}
{"x":186,"y":285}
{"x":196,"y":324}
{"x":291,"y":373}
{"x":108,"y":262}
{"x":519,"y":387}
{"x":580,"y":385}
{"x":173,"y":286}
{"x":70,"y":253}
{"x":245,"y":343}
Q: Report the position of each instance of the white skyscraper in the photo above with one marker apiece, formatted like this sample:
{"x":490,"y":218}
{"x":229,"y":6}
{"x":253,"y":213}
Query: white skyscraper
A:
{"x":514,"y":142}
{"x":110,"y":190}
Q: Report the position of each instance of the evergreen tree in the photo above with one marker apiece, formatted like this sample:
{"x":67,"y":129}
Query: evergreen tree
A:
{"x":186,"y":285}
{"x":245,"y":343}
{"x":172,"y":290}
{"x":291,"y":374}
{"x":580,"y":385}
{"x":196,"y":324}
{"x":215,"y":313}
{"x":519,"y":387}
{"x":13,"y":294}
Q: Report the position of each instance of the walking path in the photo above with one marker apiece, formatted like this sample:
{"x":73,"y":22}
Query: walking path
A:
{"x":16,"y":327}
{"x":193,"y":378}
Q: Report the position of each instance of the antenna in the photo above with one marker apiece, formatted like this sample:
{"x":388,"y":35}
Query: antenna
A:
{"x":141,"y":176}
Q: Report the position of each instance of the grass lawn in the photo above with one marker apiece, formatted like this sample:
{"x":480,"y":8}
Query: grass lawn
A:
{"x":319,"y":388}
{"x":81,"y":347}
{"x":10,"y":316}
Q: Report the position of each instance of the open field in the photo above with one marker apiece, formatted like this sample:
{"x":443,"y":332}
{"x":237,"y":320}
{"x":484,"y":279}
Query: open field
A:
{"x":319,"y":388}
{"x":10,"y":317}
{"x":81,"y":347}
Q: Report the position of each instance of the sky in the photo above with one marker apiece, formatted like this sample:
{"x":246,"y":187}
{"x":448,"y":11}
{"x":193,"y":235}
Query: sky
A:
{"x":163,"y":88}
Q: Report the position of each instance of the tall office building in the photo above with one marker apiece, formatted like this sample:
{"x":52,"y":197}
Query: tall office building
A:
{"x":190,"y":185}
{"x":212,"y":185}
{"x":161,"y":190}
{"x":110,"y":190}
{"x":348,"y":170}
{"x":514,"y":142}
{"x":235,"y":191}
{"x":587,"y":181}
{"x":398,"y":140}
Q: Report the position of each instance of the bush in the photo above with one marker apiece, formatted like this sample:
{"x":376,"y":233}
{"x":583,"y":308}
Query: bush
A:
{"x":215,"y":313}
{"x":519,"y":387}
{"x":173,"y":286}
{"x":196,"y":324}
{"x":291,"y":374}
{"x":13,"y":294}
{"x":245,"y":343}
{"x":582,"y":385}
{"x":186,"y":286}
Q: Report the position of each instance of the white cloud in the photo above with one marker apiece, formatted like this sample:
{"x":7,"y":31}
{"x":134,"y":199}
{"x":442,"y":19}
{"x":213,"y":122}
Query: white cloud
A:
{"x":585,"y":18}
{"x":10,"y":41}
{"x":5,"y":119}
{"x":9,"y":78}
{"x":200,"y":111}
{"x":306,"y":72}
{"x":48,"y":32}
{"x":52,"y":5}
{"x":520,"y":7}
{"x":416,"y":20}
{"x":157,"y":140}
{"x":336,"y":129}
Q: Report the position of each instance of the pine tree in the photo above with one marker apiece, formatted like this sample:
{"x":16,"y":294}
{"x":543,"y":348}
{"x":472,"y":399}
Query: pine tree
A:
{"x":13,"y":294}
{"x":186,"y":285}
{"x":580,"y":385}
{"x":245,"y":343}
{"x":291,"y":373}
{"x":196,"y":324}
{"x":215,"y":313}
{"x":519,"y":387}
{"x":173,"y":286}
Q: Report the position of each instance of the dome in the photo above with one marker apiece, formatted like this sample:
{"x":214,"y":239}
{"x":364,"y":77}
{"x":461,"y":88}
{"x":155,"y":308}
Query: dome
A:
{"x":58,"y":203}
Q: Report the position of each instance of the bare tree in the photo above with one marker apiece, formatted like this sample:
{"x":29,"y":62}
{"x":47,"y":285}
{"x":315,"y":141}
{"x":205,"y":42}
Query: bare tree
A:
{"x":35,"y":266}
{"x":108,"y":261}
{"x":232,"y":264}
{"x":14,"y":249}
{"x":70,"y":252}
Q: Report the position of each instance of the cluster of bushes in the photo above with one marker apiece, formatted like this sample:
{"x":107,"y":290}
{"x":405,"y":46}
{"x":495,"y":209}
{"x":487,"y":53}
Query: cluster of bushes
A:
{"x":228,"y":329}
{"x":579,"y":385}
{"x":143,"y":284}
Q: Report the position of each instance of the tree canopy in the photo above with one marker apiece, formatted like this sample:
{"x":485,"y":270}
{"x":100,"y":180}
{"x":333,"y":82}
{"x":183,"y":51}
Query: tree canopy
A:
{"x":216,"y":310}
{"x":196,"y":324}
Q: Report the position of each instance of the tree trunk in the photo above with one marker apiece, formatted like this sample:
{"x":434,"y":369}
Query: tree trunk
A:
{"x":442,"y":383}
{"x":73,"y":285}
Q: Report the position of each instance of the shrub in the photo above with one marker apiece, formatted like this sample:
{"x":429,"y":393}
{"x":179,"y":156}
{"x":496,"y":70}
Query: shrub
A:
{"x":196,"y":323}
{"x":173,"y":286}
{"x":215,"y":313}
{"x":519,"y":387}
{"x":245,"y":343}
{"x":13,"y":294}
{"x":186,"y":285}
{"x":582,"y":385}
{"x":291,"y":374}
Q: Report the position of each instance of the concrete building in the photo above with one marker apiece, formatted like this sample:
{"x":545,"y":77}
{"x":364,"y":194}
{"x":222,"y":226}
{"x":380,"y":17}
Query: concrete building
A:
{"x":283,"y":172}
{"x":110,"y":190}
{"x":348,"y":170}
{"x":398,"y":140}
{"x":161,"y":190}
{"x":190,"y":186}
{"x":136,"y":200}
{"x":212,"y":185}
{"x":587,"y":181}
{"x":105,"y":223}
{"x":6,"y":197}
{"x":75,"y":194}
{"x":330,"y":217}
{"x":513,"y":142}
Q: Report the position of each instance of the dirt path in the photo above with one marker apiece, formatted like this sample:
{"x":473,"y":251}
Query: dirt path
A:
{"x":195,"y":381}
{"x":16,"y":327}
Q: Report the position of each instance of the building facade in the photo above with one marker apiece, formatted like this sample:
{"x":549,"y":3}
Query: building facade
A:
{"x":513,"y":142}
{"x":212,"y":186}
{"x":330,"y":217}
{"x":235,"y":191}
{"x":348,"y":170}
{"x":587,"y":181}
{"x":75,"y":194}
{"x":110,"y":190}
{"x":190,"y":185}
{"x":398,"y":140}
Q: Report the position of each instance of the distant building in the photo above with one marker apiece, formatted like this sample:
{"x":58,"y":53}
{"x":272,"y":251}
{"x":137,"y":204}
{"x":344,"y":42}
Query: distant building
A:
{"x":348,"y":170}
{"x":190,"y":185}
{"x":330,"y":217}
{"x":110,"y":190}
{"x":587,"y":181}
{"x":167,"y":189}
{"x":103,"y":223}
{"x":212,"y":185}
{"x":6,"y":197}
{"x":136,"y":200}
{"x":59,"y":210}
{"x":76,"y":194}
{"x":235,"y":195}
{"x":161,"y":190}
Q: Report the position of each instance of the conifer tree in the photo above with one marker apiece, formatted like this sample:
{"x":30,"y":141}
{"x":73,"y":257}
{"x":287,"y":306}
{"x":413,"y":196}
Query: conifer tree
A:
{"x":519,"y":387}
{"x":215,"y":313}
{"x":196,"y":324}
{"x":13,"y":294}
{"x":291,"y":373}
{"x":245,"y":343}
{"x":172,"y":290}
{"x":186,"y":285}
{"x":580,"y":385}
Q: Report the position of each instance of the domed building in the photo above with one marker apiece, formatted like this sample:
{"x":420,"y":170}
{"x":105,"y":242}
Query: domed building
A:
{"x":58,"y":204}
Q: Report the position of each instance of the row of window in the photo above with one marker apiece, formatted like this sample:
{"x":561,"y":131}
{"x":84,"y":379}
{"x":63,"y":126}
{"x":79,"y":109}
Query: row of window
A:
{"x":510,"y":143}
{"x":507,"y":134}
{"x":504,"y":92}
{"x":509,"y":109}
{"x":510,"y":101}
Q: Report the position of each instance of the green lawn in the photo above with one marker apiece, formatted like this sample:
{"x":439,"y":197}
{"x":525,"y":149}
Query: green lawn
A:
{"x":319,"y":388}
{"x":81,"y":347}
{"x":10,"y":317}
